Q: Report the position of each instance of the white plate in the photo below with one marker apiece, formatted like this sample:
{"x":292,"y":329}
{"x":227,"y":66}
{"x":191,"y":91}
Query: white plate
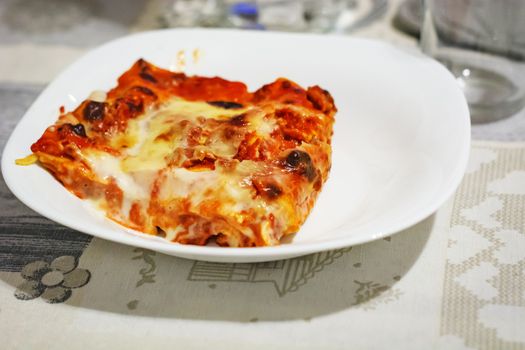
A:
{"x":400,"y":146}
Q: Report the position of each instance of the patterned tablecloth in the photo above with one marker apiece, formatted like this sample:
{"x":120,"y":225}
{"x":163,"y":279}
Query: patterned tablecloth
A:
{"x":454,"y":281}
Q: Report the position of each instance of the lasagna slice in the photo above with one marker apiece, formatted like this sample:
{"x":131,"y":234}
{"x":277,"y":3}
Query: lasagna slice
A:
{"x":192,"y":158}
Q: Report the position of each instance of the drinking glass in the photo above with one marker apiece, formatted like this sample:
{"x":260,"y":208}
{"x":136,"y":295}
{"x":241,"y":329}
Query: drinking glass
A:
{"x":282,"y":14}
{"x":482,"y":42}
{"x":322,"y":16}
{"x":193,"y":13}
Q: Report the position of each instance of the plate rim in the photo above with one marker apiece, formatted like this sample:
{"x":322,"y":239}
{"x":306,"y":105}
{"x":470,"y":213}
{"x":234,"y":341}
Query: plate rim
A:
{"x":254,"y":253}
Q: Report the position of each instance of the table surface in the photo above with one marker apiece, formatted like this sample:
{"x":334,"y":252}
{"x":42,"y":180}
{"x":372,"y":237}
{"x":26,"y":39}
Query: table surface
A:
{"x":454,"y":281}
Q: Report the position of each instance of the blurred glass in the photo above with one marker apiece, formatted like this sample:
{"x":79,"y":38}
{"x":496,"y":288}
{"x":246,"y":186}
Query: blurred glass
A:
{"x":194,"y":13}
{"x":482,"y":43}
{"x":282,"y":14}
{"x":323,"y":15}
{"x":327,"y":16}
{"x":244,"y":15}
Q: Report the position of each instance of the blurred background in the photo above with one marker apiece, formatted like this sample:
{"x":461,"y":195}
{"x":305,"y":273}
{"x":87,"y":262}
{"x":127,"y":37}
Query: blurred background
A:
{"x":54,"y":33}
{"x":85,"y":23}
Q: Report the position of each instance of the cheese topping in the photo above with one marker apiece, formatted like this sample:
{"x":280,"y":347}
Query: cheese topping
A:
{"x":150,"y":140}
{"x":145,"y":134}
{"x":191,"y":158}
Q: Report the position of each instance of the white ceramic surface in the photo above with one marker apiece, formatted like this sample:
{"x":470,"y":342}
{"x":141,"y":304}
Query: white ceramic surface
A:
{"x":400,"y":147}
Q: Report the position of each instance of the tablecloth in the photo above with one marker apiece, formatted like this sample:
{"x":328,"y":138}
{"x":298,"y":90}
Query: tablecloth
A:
{"x":454,"y":281}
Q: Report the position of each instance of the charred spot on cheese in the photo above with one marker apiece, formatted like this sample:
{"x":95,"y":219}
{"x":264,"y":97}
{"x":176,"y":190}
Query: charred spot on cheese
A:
{"x":135,"y":106}
{"x":144,"y":71}
{"x":147,"y":76}
{"x":94,"y":111}
{"x":286,"y":84}
{"x":267,"y":189}
{"x":145,"y":91}
{"x":78,"y":129}
{"x":207,"y":163}
{"x":300,"y":163}
{"x":160,"y":232}
{"x":296,"y":159}
{"x":239,"y":120}
{"x":226,"y":104}
{"x":320,"y":99}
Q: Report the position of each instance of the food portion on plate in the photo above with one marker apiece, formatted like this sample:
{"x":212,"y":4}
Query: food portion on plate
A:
{"x":193,"y":158}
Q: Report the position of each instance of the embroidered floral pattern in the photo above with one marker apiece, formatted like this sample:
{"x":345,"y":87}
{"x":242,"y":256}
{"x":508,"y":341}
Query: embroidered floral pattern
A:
{"x":52,"y":281}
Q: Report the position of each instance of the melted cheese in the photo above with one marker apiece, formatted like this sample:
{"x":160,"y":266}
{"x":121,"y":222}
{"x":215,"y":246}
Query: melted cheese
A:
{"x":144,"y":152}
{"x":107,"y":166}
{"x":149,"y":151}
{"x":192,"y":169}
{"x":152,"y":138}
{"x":143,"y":149}
{"x":261,"y":124}
{"x":181,"y":182}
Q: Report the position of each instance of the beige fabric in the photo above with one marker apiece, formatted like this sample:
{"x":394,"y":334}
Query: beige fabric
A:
{"x":326,"y":300}
{"x":453,"y":281}
{"x":484,"y":301}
